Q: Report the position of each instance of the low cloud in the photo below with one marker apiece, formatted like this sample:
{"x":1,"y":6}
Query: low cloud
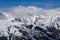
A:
{"x":21,"y":11}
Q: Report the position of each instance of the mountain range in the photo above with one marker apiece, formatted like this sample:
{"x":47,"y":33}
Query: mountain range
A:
{"x":30,"y":27}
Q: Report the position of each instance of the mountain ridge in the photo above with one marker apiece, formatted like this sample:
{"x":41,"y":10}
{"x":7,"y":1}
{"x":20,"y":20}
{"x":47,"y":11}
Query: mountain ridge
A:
{"x":31,"y":27}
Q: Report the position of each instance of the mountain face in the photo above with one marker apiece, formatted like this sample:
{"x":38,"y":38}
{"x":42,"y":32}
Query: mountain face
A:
{"x":31,"y":27}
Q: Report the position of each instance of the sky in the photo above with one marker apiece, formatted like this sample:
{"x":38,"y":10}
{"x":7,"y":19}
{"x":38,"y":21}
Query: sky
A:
{"x":46,"y":4}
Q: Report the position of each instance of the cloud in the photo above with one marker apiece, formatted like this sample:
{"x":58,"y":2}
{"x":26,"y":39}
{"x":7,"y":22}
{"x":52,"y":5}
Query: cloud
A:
{"x":21,"y":11}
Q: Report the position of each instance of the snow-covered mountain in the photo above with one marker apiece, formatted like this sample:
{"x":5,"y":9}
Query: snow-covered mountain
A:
{"x":30,"y":27}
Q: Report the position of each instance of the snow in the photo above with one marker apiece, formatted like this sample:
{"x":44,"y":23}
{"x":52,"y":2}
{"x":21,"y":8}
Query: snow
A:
{"x":20,"y":26}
